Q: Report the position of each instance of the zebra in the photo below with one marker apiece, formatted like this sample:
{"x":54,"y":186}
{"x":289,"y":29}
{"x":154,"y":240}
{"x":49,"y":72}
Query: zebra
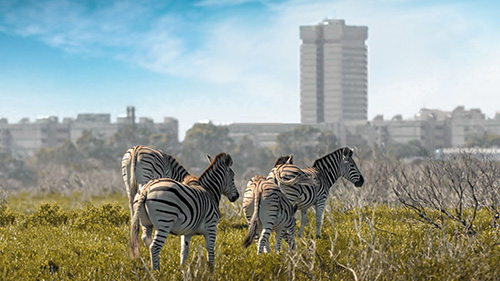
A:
{"x":141,"y":164}
{"x":271,"y":212}
{"x":186,"y":209}
{"x":248,"y":195}
{"x":310,"y":186}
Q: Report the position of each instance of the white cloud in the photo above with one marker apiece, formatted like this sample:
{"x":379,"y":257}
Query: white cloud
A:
{"x":434,"y":56}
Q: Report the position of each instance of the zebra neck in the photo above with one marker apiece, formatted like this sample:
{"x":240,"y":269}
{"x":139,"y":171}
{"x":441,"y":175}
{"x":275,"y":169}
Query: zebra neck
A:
{"x":174,"y":167}
{"x":328,"y":168}
{"x":212,"y":183}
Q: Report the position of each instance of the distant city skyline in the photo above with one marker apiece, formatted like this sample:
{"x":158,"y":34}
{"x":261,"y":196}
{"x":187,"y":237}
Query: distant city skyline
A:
{"x":236,"y":61}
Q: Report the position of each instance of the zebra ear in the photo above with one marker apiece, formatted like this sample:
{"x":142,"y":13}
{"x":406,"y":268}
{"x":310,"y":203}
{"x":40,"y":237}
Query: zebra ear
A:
{"x":347,"y":152}
{"x":287,"y":159}
{"x":229,"y":160}
{"x":209,"y":158}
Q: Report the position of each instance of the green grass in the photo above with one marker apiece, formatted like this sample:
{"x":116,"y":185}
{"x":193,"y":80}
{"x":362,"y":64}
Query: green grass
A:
{"x":75,"y":238}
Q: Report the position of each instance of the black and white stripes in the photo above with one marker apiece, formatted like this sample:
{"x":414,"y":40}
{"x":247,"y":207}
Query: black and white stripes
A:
{"x":140,"y":164}
{"x":187,"y":209}
{"x":267,"y":209}
{"x":310,"y":186}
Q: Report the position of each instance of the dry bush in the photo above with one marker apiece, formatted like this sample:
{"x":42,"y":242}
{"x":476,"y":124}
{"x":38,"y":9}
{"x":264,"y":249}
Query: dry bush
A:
{"x":375,"y":190}
{"x":451,"y":190}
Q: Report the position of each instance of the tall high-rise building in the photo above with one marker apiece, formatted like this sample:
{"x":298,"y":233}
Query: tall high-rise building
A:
{"x":333,"y":72}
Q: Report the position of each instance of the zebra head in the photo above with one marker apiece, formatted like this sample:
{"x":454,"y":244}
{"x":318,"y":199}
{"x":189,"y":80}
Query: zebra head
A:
{"x":348,"y":168}
{"x":228,"y":187}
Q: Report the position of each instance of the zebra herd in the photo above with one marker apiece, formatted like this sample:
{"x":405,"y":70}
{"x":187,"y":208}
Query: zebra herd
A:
{"x":162,"y":194}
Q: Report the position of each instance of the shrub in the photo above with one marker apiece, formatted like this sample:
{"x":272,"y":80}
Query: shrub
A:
{"x":6,"y":216}
{"x":48,"y":214}
{"x":105,"y":215}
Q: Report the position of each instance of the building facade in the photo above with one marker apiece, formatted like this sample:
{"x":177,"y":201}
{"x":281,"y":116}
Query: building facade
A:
{"x":22,"y":139}
{"x":333,"y":72}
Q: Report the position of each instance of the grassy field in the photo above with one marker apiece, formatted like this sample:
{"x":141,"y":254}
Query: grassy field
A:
{"x":75,"y":237}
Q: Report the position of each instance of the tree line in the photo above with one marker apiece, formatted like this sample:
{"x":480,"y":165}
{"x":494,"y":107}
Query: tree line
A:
{"x":304,"y":142}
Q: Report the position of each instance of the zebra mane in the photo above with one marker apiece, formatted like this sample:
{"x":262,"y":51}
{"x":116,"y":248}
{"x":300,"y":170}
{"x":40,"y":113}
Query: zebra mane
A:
{"x":327,"y":158}
{"x":257,"y":178}
{"x":189,"y":179}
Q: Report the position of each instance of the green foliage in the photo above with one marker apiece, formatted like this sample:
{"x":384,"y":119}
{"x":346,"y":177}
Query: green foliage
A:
{"x":406,"y":150}
{"x":65,"y":154}
{"x":106,"y":214}
{"x":485,"y":140}
{"x":47,"y":214}
{"x":204,"y":139}
{"x":7,"y":216}
{"x":11,"y":168}
{"x":248,"y":156}
{"x":93,"y":147}
{"x":306,"y":143}
{"x":372,"y":242}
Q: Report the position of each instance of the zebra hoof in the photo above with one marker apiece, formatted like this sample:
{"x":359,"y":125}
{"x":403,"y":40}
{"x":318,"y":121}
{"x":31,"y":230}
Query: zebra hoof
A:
{"x":318,"y":236}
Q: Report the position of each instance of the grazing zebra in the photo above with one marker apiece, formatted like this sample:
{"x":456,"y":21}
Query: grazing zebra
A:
{"x":310,"y":186}
{"x":140,"y":164}
{"x":186,"y":209}
{"x":271,"y":212}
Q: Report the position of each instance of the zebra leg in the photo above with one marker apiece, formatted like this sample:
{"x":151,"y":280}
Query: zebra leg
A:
{"x":184,"y":247}
{"x":264,"y":241}
{"x":279,"y":236}
{"x":155,"y":248}
{"x":303,"y":221}
{"x":210,"y":244}
{"x":290,"y":240}
{"x":320,"y":208}
{"x":147,"y":231}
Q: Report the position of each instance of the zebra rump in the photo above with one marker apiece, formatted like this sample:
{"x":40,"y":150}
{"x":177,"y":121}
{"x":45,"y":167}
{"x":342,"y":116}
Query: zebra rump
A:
{"x":140,"y":164}
{"x":271,"y":212}
{"x":172,"y":207}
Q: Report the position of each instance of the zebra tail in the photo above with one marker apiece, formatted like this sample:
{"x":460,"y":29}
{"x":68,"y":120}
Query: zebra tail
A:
{"x":135,"y":225}
{"x":301,"y":178}
{"x":133,"y":180}
{"x":252,"y":230}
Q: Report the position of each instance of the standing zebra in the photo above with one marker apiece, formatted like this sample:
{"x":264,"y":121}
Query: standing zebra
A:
{"x":311,"y":186}
{"x":140,"y":164}
{"x":248,"y":195}
{"x":271,"y":212}
{"x":186,"y":209}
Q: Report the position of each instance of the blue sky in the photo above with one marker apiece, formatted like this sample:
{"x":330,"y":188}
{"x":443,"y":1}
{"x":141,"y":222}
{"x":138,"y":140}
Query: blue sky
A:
{"x":236,"y":61}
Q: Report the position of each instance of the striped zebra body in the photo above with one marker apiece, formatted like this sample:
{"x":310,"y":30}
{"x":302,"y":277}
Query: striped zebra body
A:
{"x":186,"y":209}
{"x":310,"y":186}
{"x":140,"y":164}
{"x":269,"y":210}
{"x":248,"y":195}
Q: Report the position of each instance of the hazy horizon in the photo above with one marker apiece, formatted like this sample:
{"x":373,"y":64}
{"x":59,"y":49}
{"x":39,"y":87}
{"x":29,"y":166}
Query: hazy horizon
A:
{"x":236,"y":61}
